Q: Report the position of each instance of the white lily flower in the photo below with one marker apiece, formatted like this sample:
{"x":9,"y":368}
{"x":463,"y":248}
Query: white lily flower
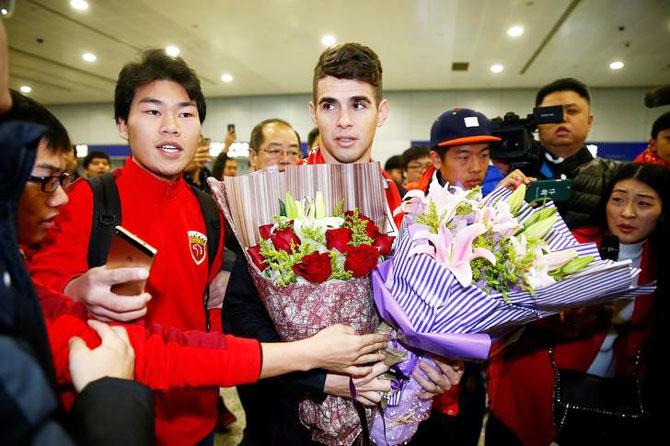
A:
{"x":538,"y":277}
{"x":557,"y":259}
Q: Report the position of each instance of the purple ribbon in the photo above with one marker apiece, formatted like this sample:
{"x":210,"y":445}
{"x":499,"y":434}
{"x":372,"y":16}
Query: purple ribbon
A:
{"x":453,"y":346}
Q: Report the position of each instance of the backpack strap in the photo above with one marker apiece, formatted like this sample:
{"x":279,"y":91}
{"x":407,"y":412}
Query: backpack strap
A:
{"x":106,"y":216}
{"x":210,"y":212}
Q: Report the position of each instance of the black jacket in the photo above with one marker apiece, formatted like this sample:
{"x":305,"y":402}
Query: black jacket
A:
{"x":108,"y":411}
{"x":589,"y":177}
{"x":271,"y":405}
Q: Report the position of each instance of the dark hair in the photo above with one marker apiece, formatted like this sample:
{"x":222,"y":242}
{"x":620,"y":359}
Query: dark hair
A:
{"x":413,"y":153}
{"x":393,"y":163}
{"x":94,"y":155}
{"x":27,"y":109}
{"x":350,"y":61}
{"x":155,"y":66}
{"x":656,"y":177}
{"x":256,"y":138}
{"x":661,"y":123}
{"x":311,"y":137}
{"x":220,"y":165}
{"x":565,"y":84}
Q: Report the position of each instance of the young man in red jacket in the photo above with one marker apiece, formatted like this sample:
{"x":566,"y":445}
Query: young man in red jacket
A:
{"x":159,"y":108}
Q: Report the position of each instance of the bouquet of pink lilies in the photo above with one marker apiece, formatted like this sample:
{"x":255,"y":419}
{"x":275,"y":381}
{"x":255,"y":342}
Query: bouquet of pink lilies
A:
{"x":467,"y":268}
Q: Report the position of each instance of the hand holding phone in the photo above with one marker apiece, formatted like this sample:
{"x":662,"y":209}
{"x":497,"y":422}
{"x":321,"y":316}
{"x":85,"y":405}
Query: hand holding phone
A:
{"x":556,"y":190}
{"x":128,"y":250}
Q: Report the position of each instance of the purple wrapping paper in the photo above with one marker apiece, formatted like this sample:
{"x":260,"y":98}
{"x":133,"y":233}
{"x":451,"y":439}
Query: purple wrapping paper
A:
{"x":397,"y":424}
{"x":467,"y":346}
{"x":434,"y":313}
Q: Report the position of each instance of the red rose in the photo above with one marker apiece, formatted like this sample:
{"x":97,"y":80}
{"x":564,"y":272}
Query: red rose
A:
{"x":339,"y":239}
{"x":282,"y":240}
{"x":266,"y":231}
{"x":256,"y":257}
{"x":383,"y":243}
{"x":371,"y":228}
{"x":361,"y":260}
{"x":314,"y":267}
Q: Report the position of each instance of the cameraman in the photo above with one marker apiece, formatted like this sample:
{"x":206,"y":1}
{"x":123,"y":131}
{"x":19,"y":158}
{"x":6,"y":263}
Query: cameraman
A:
{"x":564,"y":154}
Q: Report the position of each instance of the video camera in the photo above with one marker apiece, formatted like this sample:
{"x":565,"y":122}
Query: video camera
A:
{"x":518,"y":147}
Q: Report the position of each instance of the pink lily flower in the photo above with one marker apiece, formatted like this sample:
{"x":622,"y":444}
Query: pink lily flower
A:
{"x":454,"y":252}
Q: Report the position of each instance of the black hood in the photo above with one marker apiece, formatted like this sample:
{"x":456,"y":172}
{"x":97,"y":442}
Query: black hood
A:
{"x":20,"y":313}
{"x":18,"y":148}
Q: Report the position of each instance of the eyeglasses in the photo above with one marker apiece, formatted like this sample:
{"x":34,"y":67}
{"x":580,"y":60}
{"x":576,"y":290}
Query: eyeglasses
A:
{"x":50,"y":183}
{"x":415,"y":166}
{"x":277,"y":153}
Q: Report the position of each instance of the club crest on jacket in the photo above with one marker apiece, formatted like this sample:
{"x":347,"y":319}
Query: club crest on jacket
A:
{"x":197,"y":243}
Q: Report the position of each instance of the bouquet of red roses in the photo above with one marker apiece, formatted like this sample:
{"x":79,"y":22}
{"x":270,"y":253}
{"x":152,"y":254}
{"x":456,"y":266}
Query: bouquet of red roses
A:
{"x":307,"y":245}
{"x":312,"y":268}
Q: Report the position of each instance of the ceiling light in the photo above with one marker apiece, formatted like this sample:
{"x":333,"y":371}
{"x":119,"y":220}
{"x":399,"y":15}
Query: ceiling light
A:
{"x":79,"y":5}
{"x":328,"y":40}
{"x":89,"y":57}
{"x":515,"y":31}
{"x":25,"y":89}
{"x":227,"y":78}
{"x":616,"y":65}
{"x":496,"y":68}
{"x":172,"y":51}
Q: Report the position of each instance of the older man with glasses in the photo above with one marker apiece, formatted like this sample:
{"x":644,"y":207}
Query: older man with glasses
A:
{"x":273,"y":142}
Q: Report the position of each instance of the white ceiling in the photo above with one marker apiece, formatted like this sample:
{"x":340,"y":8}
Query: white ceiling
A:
{"x":271,"y":46}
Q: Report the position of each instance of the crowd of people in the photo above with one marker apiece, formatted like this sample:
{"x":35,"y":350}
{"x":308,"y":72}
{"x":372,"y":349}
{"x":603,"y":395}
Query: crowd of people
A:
{"x":92,"y":368}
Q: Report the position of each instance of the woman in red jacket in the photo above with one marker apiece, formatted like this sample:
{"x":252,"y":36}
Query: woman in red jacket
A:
{"x":601,"y":340}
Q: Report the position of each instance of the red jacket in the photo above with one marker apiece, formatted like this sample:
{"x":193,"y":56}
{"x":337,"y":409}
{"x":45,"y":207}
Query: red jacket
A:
{"x":165,"y":358}
{"x":520,"y":380}
{"x":392,"y":194}
{"x":424,"y":181}
{"x":166,"y":215}
{"x":650,"y":155}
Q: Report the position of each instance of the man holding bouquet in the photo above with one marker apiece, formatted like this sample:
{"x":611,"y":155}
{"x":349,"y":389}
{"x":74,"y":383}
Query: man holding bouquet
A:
{"x":347,"y":107}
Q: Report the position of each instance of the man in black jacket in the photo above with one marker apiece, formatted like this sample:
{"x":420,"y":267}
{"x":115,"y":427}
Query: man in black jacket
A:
{"x":566,"y":155}
{"x":347,"y":76}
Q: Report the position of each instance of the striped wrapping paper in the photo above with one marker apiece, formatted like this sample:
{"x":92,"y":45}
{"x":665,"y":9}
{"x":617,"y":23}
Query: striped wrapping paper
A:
{"x":437,"y":314}
{"x":250,"y":201}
